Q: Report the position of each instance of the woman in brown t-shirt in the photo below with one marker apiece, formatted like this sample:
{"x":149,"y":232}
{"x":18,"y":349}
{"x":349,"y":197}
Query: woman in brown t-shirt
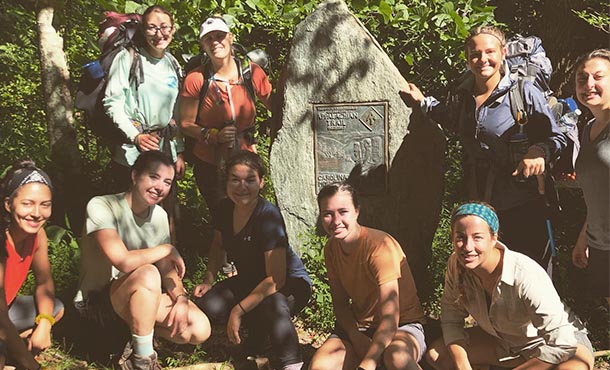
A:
{"x":379,"y":316}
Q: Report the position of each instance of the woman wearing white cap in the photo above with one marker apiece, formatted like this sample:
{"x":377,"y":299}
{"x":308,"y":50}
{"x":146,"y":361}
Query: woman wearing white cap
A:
{"x":223,"y":119}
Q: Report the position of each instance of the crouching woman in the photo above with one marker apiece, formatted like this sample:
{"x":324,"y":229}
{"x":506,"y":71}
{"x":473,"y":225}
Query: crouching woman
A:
{"x":128,"y":264}
{"x":522,"y":323}
{"x":379,"y":316}
{"x":271,"y":284}
{"x":27,"y":195}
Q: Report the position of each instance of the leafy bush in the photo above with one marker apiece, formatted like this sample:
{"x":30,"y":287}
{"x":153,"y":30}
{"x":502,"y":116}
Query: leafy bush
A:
{"x":64,"y":258}
{"x":318,"y":314}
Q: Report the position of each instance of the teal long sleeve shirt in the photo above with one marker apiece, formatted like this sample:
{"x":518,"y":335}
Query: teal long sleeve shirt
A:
{"x":154,"y":109}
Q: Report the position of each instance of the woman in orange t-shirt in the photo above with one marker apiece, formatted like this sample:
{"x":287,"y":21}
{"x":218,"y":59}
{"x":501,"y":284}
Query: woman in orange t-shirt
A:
{"x":379,"y":316}
{"x":26,"y":191}
{"x":225,"y":120}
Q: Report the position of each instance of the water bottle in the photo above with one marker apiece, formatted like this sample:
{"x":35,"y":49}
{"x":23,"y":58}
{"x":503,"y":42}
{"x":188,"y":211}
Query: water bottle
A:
{"x":569,"y":120}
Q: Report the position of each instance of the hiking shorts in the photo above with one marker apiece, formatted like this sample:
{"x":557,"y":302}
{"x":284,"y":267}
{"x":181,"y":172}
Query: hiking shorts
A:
{"x":415,"y":329}
{"x":22,"y":311}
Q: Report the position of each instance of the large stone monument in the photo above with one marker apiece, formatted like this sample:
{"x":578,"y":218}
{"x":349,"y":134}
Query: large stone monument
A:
{"x":342,"y":117}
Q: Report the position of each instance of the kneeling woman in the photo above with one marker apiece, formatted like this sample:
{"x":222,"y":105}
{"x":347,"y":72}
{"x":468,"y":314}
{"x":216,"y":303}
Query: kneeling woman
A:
{"x":129,"y":269}
{"x":522,"y":323}
{"x":379,"y":316}
{"x":271,"y":283}
{"x":26,"y":192}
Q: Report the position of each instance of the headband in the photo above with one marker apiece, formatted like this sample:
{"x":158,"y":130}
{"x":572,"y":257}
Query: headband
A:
{"x":26,"y":176}
{"x":482,"y":211}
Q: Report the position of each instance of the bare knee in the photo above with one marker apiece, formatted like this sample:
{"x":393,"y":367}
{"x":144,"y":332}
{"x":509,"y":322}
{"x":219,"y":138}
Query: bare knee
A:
{"x":322,"y":363}
{"x":583,"y":360}
{"x":330,"y":356}
{"x":199,"y":327}
{"x":398,"y":358}
{"x":146,"y":277}
{"x":402,"y":353}
{"x":437,"y":355}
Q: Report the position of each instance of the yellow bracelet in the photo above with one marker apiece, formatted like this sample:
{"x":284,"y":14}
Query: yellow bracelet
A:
{"x":41,"y":316}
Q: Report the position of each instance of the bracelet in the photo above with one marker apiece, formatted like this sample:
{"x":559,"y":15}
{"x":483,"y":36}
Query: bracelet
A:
{"x":242,"y":308}
{"x":212,"y":132}
{"x":41,"y":316}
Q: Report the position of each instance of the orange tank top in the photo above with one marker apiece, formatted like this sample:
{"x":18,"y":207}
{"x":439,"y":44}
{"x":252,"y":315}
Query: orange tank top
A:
{"x":17,"y":267}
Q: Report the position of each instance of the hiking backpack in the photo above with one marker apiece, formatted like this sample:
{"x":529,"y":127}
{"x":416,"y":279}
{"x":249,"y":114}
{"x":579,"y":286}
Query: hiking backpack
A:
{"x":527,"y":60}
{"x":116,"y":32}
{"x":243,"y":59}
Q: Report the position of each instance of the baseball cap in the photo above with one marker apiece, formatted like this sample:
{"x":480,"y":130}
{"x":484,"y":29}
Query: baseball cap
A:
{"x":212,"y":24}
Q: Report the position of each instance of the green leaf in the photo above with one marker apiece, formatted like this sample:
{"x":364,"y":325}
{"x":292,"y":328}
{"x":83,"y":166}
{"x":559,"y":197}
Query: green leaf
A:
{"x":386,"y":11}
{"x":409,"y":58}
{"x":132,"y":6}
{"x":253,"y":4}
{"x":55,"y":233}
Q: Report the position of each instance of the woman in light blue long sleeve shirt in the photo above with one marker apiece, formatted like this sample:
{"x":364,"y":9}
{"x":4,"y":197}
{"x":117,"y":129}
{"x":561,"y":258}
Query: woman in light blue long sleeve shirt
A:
{"x":144,"y":109}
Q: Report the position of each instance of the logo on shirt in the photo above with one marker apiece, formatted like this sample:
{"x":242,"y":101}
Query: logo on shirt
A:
{"x":172,"y":82}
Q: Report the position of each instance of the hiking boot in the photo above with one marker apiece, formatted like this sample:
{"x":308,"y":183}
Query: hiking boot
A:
{"x":130,"y":361}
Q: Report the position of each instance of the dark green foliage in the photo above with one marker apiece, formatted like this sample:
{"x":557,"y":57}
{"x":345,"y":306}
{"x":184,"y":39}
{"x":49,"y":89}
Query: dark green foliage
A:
{"x":23,"y":130}
{"x":318,"y":314}
{"x":64,"y":258}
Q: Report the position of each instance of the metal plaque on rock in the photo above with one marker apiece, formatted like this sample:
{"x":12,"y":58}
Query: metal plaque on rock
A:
{"x":351,"y":141}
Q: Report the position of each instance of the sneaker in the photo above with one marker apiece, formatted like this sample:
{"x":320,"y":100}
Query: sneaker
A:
{"x":130,"y":361}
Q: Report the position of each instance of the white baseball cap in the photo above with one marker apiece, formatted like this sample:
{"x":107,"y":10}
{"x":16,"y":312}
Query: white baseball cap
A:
{"x":212,"y":24}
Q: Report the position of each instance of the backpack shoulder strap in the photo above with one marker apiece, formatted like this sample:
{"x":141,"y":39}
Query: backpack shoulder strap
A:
{"x":247,"y":75}
{"x":175,"y":65}
{"x":205,"y":72}
{"x":517,"y":104}
{"x":244,"y":65}
{"x":136,"y":74}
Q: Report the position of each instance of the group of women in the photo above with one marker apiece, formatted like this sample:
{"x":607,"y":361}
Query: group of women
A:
{"x":131,"y":273}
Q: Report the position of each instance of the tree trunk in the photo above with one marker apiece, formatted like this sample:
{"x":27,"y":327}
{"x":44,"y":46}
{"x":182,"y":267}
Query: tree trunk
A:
{"x":66,"y":161}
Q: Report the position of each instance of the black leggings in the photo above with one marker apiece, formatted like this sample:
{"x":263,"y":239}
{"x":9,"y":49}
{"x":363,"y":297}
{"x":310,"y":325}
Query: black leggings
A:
{"x":272,"y":317}
{"x":208,"y":182}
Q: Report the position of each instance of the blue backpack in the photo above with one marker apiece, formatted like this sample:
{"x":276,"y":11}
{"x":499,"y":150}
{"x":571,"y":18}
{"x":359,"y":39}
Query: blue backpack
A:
{"x":527,"y":61}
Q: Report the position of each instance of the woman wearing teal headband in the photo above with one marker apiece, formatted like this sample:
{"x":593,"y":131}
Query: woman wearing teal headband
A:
{"x":522,"y":323}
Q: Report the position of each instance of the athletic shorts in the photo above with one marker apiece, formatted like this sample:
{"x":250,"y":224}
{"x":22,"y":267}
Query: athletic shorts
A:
{"x":580,"y":335}
{"x":415,"y":329}
{"x":22,"y":311}
{"x":98,"y":307}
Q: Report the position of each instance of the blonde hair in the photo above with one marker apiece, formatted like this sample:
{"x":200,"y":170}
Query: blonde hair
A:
{"x":487,"y":30}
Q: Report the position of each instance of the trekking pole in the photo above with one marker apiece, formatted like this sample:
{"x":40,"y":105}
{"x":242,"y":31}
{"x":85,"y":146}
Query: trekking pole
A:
{"x":547,"y":204}
{"x":549,"y":231}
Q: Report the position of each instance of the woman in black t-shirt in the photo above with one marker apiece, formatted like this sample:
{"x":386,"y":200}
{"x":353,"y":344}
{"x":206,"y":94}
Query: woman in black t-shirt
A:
{"x":271,"y":282}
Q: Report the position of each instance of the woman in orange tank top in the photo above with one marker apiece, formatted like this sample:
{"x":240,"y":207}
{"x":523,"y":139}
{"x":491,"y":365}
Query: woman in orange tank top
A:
{"x":26,"y":194}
